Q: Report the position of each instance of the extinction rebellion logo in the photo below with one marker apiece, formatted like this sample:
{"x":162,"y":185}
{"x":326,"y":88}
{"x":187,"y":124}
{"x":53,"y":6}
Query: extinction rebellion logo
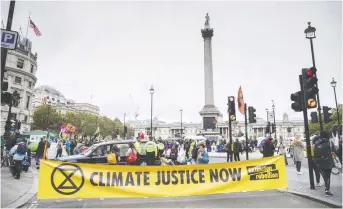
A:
{"x":263,"y":172}
{"x":67,"y":179}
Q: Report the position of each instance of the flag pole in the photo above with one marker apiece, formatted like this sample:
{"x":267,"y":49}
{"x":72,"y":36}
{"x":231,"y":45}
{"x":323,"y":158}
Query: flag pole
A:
{"x":27,"y":28}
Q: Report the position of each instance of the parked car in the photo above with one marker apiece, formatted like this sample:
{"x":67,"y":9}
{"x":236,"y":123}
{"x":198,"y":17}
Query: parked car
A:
{"x":97,"y":153}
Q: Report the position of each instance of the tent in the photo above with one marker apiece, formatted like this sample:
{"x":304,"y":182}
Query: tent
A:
{"x":36,"y":135}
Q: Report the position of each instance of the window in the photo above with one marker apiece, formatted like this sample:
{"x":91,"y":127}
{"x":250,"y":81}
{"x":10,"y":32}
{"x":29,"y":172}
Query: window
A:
{"x":20,"y":63}
{"x":30,"y":84}
{"x":58,"y":101}
{"x":32,"y":68}
{"x":28,"y":102}
{"x":17,"y":80}
{"x":25,"y":119}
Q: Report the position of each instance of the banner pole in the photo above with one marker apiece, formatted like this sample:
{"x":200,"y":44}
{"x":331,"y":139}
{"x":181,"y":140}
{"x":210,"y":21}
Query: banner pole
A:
{"x":246,"y":131}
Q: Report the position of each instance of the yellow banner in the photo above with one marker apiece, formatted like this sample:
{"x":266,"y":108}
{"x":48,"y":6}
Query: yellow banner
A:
{"x":72,"y":180}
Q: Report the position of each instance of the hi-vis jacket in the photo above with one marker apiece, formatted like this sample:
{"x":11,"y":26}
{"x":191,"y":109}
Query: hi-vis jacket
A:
{"x":139,"y":148}
{"x":160,"y":146}
{"x":150,"y":146}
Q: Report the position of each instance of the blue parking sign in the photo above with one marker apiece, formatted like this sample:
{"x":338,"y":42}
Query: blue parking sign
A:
{"x":9,"y":39}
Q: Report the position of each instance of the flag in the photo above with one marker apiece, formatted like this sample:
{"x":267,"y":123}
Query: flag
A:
{"x":35,"y":29}
{"x":240,"y":100}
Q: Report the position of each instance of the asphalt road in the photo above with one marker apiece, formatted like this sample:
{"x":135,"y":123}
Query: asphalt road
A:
{"x":259,"y":199}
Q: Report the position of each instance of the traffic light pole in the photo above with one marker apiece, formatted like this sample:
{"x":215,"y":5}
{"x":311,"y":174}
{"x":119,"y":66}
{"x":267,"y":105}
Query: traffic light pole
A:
{"x":230,"y":140}
{"x":3,"y":50}
{"x":307,"y":133}
{"x":246,"y":131}
{"x":318,"y":101}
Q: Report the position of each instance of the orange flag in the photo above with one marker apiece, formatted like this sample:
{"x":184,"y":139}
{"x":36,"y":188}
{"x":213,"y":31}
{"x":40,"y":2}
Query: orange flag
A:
{"x":240,"y":100}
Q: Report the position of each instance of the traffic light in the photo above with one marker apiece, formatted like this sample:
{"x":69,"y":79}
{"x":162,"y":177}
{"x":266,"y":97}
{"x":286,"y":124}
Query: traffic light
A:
{"x":297,"y":99}
{"x":273,"y":128}
{"x":268,"y":128}
{"x":310,"y":86}
{"x":314,"y":117}
{"x":232,"y":110}
{"x":327,"y":114}
{"x":252,"y":114}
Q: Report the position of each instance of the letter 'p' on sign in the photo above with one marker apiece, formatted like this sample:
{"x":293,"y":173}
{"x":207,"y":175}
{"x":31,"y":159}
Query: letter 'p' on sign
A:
{"x":9,"y":39}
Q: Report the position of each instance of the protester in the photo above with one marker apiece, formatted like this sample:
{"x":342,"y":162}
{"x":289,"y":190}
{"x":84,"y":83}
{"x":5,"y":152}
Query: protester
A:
{"x":131,"y":154}
{"x":202,"y":155}
{"x":77,"y":149}
{"x":229,"y":157}
{"x":59,"y":149}
{"x":268,"y":148}
{"x":298,"y":153}
{"x":323,"y":150}
{"x":314,"y":165}
{"x":67,"y":144}
{"x":282,"y":151}
{"x":40,"y":149}
{"x":18,"y":152}
{"x":237,"y":148}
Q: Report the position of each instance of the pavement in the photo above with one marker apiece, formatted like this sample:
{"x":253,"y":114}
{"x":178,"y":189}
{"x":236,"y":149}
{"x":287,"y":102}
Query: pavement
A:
{"x":15,"y":193}
{"x":21,"y":193}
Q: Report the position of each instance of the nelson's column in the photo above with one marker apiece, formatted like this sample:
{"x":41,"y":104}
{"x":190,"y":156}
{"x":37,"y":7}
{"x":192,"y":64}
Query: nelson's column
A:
{"x":209,"y":112}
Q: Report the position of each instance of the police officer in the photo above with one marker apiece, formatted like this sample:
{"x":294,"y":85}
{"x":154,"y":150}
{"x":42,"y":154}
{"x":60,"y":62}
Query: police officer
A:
{"x":151,"y":152}
{"x":160,"y":148}
{"x":139,"y":150}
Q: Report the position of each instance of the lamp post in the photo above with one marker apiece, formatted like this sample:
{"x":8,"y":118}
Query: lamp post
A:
{"x":267,"y":114}
{"x":333,"y":84}
{"x":273,"y":106}
{"x":124,"y":127}
{"x":151,"y":93}
{"x":181,"y":123}
{"x":311,"y":34}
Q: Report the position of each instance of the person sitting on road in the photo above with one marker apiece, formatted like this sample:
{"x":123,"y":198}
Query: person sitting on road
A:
{"x":202,"y":155}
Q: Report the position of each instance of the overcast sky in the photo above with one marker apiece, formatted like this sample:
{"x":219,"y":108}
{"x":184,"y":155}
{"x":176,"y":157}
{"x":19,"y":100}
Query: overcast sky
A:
{"x":114,"y":49}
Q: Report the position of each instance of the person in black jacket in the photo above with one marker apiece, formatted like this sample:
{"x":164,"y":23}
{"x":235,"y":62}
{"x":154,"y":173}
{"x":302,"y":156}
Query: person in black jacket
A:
{"x":268,"y":148}
{"x":237,"y":148}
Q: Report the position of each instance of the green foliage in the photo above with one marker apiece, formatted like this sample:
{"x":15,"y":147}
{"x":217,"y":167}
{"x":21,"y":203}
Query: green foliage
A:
{"x":315,"y":128}
{"x":47,"y":117}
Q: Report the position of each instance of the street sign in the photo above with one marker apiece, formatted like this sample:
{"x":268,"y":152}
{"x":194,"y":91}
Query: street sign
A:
{"x":9,"y":39}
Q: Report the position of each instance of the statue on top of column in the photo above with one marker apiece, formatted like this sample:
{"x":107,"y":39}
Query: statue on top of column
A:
{"x":207,"y":22}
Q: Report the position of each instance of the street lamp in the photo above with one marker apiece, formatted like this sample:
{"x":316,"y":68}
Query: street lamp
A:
{"x":151,"y":93}
{"x":124,"y":127}
{"x":273,"y":106}
{"x":311,"y":34}
{"x":181,"y":123}
{"x":333,"y":84}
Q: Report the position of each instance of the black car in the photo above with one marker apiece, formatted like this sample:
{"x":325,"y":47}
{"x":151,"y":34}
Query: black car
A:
{"x":97,"y":153}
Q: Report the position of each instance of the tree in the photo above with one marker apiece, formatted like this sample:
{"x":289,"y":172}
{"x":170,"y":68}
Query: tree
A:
{"x":46,"y":117}
{"x":315,"y":128}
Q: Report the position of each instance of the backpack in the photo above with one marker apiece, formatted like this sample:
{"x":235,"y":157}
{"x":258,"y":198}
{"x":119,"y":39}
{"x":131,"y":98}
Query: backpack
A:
{"x":112,"y":159}
{"x":322,"y":149}
{"x":132,"y":157}
{"x":21,"y":149}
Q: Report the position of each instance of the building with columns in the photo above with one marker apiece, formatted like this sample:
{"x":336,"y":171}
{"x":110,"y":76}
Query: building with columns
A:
{"x":56,"y":99}
{"x":285,"y":128}
{"x":21,"y":68}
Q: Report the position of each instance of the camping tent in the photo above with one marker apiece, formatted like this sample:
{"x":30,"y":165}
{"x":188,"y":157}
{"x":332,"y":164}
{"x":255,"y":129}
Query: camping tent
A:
{"x":36,"y":135}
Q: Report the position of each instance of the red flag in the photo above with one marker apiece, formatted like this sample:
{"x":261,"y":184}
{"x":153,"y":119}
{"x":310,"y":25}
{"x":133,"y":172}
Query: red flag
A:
{"x":240,"y":100}
{"x":35,"y":29}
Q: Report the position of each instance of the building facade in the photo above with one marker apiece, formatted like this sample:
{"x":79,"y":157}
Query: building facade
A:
{"x":21,"y":68}
{"x":285,"y":128}
{"x":51,"y":96}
